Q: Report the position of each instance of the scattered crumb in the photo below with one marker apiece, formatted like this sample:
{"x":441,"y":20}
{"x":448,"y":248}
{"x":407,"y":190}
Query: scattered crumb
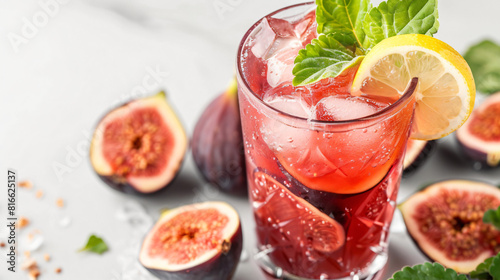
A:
{"x":2,"y":244}
{"x":46,"y":257}
{"x":30,"y":236}
{"x":39,"y":194}
{"x":28,"y":263}
{"x":32,"y":267}
{"x":58,"y":270}
{"x":23,"y":222}
{"x":27,"y":254}
{"x":25,"y":184}
{"x":60,"y":203}
{"x":34,"y":273}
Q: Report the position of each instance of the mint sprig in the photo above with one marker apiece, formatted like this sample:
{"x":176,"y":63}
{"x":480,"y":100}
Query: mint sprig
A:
{"x":428,"y":271}
{"x":492,"y":216}
{"x":357,"y":26}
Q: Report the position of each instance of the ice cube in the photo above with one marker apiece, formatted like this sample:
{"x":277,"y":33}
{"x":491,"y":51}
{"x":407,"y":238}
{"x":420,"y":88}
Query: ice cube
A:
{"x":345,"y":107}
{"x":281,"y":27}
{"x":281,"y":135}
{"x":280,"y":60}
{"x":305,"y":28}
{"x":277,"y":43}
{"x":286,"y":99}
{"x":267,"y":35}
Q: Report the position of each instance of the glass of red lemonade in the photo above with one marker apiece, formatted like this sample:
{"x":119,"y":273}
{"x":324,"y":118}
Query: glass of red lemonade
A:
{"x":323,"y":166}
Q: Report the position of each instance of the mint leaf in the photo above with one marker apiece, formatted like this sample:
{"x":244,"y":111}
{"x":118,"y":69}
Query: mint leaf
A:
{"x":343,"y":17}
{"x":495,"y":268}
{"x":492,"y":216}
{"x":95,"y":244}
{"x":482,"y":271}
{"x":396,"y":17}
{"x":484,"y":61}
{"x":427,"y":271}
{"x":322,"y":58}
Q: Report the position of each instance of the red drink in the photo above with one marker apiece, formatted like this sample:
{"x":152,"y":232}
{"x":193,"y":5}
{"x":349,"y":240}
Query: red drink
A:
{"x":324,"y":167}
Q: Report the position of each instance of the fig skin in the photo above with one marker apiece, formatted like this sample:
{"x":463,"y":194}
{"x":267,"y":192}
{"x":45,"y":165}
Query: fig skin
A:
{"x":221,"y":266}
{"x":484,"y":238}
{"x":168,"y":161}
{"x":486,"y":152}
{"x":417,"y":155}
{"x":217,"y":144}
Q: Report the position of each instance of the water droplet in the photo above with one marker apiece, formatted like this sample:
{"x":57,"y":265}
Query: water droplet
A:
{"x":64,"y":221}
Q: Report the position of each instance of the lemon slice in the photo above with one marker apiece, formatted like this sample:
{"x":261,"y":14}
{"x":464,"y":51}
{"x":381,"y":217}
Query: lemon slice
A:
{"x":446,"y":92}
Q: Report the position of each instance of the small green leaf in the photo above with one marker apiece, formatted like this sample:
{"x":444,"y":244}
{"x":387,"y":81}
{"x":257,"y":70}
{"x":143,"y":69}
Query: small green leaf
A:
{"x":492,"y":216}
{"x":495,"y":268}
{"x":343,"y":17}
{"x":484,"y":61}
{"x":95,"y":244}
{"x":428,"y":271}
{"x":323,"y":58}
{"x":482,"y":271}
{"x":396,"y":17}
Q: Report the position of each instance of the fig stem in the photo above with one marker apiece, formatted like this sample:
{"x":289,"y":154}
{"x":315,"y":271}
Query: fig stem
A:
{"x":232,"y":89}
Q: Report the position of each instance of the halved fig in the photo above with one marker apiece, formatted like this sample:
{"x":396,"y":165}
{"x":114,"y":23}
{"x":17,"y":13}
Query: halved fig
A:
{"x":479,"y":137}
{"x":197,"y":241}
{"x":217,"y":144}
{"x":445,"y":221}
{"x":139,"y":147}
{"x":417,"y":152}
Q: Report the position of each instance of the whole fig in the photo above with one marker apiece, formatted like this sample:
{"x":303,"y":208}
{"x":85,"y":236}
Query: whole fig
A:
{"x":217,"y":143}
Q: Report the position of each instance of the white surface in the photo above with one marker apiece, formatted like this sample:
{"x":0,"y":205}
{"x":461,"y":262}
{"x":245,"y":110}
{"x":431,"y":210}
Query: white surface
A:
{"x":89,"y":56}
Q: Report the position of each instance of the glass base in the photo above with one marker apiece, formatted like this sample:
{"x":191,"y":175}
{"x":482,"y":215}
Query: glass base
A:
{"x":375,"y":271}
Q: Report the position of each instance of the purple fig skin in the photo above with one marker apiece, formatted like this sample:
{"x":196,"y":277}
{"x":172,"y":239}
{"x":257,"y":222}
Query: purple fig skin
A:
{"x":217,"y":144}
{"x":220,"y":267}
{"x":473,"y":154}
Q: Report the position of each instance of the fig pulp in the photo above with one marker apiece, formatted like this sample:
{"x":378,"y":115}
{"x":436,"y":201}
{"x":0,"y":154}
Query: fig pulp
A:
{"x":198,"y":241}
{"x":446,"y":222}
{"x":139,"y":147}
{"x":217,"y":144}
{"x":417,"y":152}
{"x":479,"y":137}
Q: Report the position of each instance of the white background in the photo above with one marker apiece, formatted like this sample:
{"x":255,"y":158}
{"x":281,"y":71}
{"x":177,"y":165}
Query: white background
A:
{"x":86,"y":56}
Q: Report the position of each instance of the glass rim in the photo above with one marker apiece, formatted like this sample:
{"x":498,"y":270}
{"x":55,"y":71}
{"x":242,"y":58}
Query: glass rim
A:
{"x":408,"y":93}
